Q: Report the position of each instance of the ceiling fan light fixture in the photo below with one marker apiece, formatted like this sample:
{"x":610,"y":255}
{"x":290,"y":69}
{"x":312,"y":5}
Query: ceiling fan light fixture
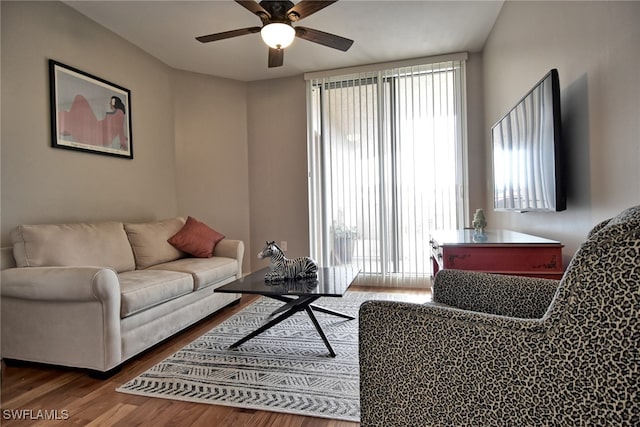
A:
{"x":278,"y":35}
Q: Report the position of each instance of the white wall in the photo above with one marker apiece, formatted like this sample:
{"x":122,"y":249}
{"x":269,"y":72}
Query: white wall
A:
{"x":595,"y":47}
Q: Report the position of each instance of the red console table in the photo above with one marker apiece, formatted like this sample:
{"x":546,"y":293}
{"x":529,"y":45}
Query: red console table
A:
{"x":497,"y":251}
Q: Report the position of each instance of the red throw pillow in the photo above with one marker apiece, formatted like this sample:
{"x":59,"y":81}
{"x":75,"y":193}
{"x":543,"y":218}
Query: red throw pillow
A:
{"x":196,"y":238}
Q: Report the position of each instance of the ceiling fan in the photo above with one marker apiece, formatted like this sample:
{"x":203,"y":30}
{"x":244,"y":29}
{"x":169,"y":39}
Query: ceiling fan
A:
{"x":277,"y":31}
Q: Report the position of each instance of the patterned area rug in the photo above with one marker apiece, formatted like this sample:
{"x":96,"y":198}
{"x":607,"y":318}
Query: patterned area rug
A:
{"x":285,"y":369}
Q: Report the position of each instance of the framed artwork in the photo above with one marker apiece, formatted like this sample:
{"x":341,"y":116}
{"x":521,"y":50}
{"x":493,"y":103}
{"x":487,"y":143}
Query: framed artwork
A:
{"x":89,"y":113}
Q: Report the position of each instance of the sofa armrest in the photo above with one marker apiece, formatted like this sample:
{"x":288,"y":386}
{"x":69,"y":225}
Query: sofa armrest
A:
{"x":62,"y":284}
{"x":230,"y":248}
{"x":66,"y":316}
{"x":423,"y":365}
{"x":514,"y":296}
{"x":6,"y":258}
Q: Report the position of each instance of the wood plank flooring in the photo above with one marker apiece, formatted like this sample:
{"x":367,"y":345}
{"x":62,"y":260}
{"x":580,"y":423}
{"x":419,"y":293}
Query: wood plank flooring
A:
{"x":39,"y":395}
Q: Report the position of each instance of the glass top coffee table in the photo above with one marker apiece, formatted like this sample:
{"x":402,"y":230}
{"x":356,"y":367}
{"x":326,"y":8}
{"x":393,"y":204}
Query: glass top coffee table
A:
{"x":298,"y":295}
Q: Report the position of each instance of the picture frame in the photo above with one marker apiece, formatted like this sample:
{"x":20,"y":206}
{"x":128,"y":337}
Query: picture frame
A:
{"x":89,"y":113}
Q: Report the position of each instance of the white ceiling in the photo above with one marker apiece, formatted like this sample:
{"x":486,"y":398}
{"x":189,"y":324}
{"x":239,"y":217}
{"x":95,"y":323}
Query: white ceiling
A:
{"x":382,"y":30}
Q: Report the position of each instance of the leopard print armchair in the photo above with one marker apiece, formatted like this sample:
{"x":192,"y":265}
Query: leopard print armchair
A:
{"x":511,"y":351}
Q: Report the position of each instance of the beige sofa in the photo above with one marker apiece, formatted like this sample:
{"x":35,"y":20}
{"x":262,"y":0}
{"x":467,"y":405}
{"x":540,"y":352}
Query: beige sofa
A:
{"x":92,"y":295}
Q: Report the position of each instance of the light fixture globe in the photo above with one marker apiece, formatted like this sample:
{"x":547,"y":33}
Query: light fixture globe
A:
{"x":278,"y":35}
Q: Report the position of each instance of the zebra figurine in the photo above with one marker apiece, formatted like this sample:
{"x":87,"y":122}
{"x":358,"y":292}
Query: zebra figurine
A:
{"x":282,"y":268}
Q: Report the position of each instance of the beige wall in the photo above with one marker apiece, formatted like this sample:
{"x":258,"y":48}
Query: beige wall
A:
{"x":594,"y":46}
{"x":234,"y":154}
{"x":229,"y":153}
{"x":189,"y":132}
{"x":475,"y":136}
{"x":278,"y":159}
{"x":277,"y":128}
{"x":43,"y":184}
{"x":212,"y":153}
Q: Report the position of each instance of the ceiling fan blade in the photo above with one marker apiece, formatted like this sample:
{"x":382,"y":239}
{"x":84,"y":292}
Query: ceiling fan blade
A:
{"x":307,"y":7}
{"x":276,"y":57}
{"x":253,"y":7}
{"x":326,"y":39}
{"x":228,"y":34}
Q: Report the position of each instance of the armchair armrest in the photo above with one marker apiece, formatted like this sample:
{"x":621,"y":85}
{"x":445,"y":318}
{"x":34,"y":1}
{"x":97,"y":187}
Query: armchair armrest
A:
{"x":436,"y":365}
{"x":230,"y":248}
{"x":599,"y":226}
{"x":62,"y":284}
{"x":514,"y":296}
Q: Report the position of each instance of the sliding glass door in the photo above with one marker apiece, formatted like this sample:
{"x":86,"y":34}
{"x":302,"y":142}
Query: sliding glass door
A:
{"x":386,"y":165}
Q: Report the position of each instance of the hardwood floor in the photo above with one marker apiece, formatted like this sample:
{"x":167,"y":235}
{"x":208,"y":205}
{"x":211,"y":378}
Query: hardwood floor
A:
{"x":39,"y":395}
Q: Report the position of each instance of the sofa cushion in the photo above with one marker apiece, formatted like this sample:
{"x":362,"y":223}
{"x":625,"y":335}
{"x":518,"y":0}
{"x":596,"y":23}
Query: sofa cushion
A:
{"x":142,"y":289}
{"x":149,"y":241}
{"x":205,"y":271}
{"x":82,"y":244}
{"x":196,"y":238}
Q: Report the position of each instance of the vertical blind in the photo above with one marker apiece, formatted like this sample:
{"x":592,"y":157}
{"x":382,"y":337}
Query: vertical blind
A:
{"x":386,"y":165}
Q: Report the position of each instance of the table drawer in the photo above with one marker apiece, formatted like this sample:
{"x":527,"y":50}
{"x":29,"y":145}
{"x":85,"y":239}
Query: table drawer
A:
{"x":515,"y":260}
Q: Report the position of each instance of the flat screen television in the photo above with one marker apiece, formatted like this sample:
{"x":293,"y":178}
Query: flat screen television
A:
{"x":526,"y":146}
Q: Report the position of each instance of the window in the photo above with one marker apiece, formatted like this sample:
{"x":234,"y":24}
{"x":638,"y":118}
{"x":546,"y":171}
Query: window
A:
{"x":386,"y":165}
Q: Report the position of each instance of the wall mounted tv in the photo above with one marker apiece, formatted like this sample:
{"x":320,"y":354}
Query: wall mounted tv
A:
{"x":526,"y":145}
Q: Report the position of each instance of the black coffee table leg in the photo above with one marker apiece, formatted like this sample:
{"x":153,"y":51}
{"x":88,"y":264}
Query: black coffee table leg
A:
{"x":292,"y":301}
{"x":264,"y":327}
{"x":289,"y":303}
{"x":293,"y":306}
{"x":333,"y":313}
{"x":299,"y":304}
{"x":320,"y":332}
